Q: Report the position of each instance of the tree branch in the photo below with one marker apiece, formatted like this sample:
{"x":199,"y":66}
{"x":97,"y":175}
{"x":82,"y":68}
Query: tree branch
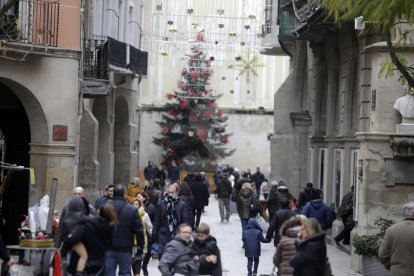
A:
{"x":401,"y":67}
{"x":7,"y":6}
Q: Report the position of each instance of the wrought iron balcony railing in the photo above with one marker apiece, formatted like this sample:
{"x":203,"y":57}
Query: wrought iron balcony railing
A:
{"x":100,"y":53}
{"x":32,"y":22}
{"x":138,"y":61}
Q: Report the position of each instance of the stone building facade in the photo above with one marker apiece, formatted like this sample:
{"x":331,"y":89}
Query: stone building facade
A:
{"x":336,"y":115}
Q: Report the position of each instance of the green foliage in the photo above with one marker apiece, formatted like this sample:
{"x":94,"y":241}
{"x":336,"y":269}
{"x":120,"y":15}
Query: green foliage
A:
{"x":368,"y":245}
{"x":388,"y":69}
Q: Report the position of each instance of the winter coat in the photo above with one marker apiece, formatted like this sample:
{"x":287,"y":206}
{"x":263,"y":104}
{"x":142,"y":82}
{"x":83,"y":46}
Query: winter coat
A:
{"x":310,"y":257}
{"x":150,"y":172}
{"x":278,"y":219}
{"x":274,"y":201}
{"x":3,"y":251}
{"x":150,"y":210}
{"x":96,"y":235}
{"x":258,"y":178}
{"x":243,"y":203}
{"x":320,"y":211}
{"x":285,"y":250}
{"x":189,"y":202}
{"x":200,"y":193}
{"x":224,"y":188}
{"x":305,"y":197}
{"x":344,"y":210}
{"x":178,"y":258}
{"x":72,"y":215}
{"x":160,"y":228}
{"x":129,"y":226}
{"x":154,"y":195}
{"x":397,"y":249}
{"x":100,"y":202}
{"x":252,"y":237}
{"x":174,"y":173}
{"x":204,"y":249}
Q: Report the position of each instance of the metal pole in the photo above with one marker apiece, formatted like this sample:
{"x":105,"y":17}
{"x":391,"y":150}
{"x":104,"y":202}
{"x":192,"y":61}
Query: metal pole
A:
{"x":52,"y":205}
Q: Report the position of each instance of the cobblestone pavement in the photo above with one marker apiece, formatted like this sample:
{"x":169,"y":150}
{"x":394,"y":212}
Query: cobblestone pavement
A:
{"x":228,"y":236}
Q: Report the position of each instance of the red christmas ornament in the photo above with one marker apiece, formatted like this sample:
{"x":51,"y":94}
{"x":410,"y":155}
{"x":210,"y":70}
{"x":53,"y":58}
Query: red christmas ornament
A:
{"x":165,"y":130}
{"x":224,"y":140}
{"x":200,"y":37}
{"x":183,"y":104}
{"x":170,"y":150}
{"x":208,"y":71}
{"x":207,"y":115}
{"x":172,"y":112}
{"x":212,"y":103}
{"x":201,"y":134}
{"x":195,"y":74}
{"x":220,"y":113}
{"x":191,"y":94}
{"x":182,"y":85}
{"x":208,"y":90}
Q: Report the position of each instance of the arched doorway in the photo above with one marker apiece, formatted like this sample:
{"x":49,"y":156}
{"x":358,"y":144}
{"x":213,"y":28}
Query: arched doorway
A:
{"x":122,"y":143}
{"x":15,"y":128}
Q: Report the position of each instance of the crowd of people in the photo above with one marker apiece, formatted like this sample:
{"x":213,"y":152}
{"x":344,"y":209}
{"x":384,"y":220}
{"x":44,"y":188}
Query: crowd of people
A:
{"x":120,"y":233}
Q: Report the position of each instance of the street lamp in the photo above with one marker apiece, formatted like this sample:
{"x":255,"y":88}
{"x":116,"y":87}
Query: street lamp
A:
{"x":117,"y":17}
{"x":140,"y":32}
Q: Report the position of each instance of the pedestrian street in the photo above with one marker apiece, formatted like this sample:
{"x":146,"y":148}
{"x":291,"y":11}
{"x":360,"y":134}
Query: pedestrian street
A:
{"x":234,"y":262}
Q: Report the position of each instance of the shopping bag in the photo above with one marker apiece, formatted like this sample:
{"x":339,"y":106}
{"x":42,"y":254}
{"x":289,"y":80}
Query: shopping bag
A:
{"x":57,"y":264}
{"x":262,"y":223}
{"x":154,"y":251}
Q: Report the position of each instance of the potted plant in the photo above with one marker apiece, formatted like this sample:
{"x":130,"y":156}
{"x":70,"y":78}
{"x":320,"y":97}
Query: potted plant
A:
{"x":367,"y":246}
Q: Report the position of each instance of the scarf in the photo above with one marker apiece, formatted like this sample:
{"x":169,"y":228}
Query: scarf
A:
{"x":172,"y":217}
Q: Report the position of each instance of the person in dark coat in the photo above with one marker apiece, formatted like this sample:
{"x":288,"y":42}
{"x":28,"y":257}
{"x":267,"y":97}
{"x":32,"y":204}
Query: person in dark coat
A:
{"x":286,"y":248}
{"x":223,"y":192}
{"x":278,"y":219}
{"x":109,"y":195}
{"x":174,"y":172}
{"x":317,"y":209}
{"x":128,"y":229}
{"x":187,"y":197}
{"x":252,"y":237}
{"x":154,"y":192}
{"x":179,"y":257}
{"x":258,"y":179}
{"x":246,"y":197}
{"x":306,"y":195}
{"x":150,"y":172}
{"x":149,"y":208}
{"x":95,"y":233}
{"x":209,"y":254}
{"x":276,"y":194}
{"x":201,"y":196}
{"x":310,"y":257}
{"x":171,"y":212}
{"x":4,"y":255}
{"x":345,"y":213}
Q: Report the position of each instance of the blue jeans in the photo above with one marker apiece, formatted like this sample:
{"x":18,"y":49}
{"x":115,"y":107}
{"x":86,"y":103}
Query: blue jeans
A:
{"x":250,"y":264}
{"x":121,"y":259}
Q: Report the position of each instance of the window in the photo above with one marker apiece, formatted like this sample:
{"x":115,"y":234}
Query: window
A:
{"x":322,"y":169}
{"x":268,"y":17}
{"x":337,"y":175}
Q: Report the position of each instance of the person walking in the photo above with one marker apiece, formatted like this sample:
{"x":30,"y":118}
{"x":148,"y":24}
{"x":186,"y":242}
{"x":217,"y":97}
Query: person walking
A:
{"x":150,"y":172}
{"x":187,"y":197}
{"x":128,"y":230}
{"x":306,"y":195}
{"x":95,"y":234}
{"x":171,"y":212}
{"x":173,"y":172}
{"x":223,"y":192}
{"x":109,"y":195}
{"x":252,"y":237}
{"x":396,"y":252}
{"x":258,"y":179}
{"x":209,"y":254}
{"x":245,"y":203}
{"x":201,"y":196}
{"x":345,"y":212}
{"x":310,"y":258}
{"x":179,"y":257}
{"x":154,"y":192}
{"x":317,"y":209}
{"x":286,"y":248}
{"x":277,"y":193}
{"x":278,"y":219}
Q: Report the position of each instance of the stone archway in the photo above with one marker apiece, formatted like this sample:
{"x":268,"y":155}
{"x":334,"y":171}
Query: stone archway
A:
{"x":23,"y":123}
{"x":122,"y":142}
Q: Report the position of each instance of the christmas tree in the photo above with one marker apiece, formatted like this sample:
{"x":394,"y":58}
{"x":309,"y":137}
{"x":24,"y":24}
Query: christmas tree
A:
{"x":193,"y":127}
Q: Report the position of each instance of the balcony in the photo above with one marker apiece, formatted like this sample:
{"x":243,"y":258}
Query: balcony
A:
{"x":103,"y":55}
{"x":31,"y":22}
{"x":138,"y":61}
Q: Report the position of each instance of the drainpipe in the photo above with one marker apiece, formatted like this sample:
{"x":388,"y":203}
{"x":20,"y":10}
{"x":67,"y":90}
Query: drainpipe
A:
{"x":80,"y":104}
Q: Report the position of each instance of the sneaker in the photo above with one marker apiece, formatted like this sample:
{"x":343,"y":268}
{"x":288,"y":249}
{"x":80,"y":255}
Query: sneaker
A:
{"x":227,"y":220}
{"x":337,"y":242}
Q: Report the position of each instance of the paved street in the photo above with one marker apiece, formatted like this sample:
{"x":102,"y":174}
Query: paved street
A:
{"x":234,"y":262}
